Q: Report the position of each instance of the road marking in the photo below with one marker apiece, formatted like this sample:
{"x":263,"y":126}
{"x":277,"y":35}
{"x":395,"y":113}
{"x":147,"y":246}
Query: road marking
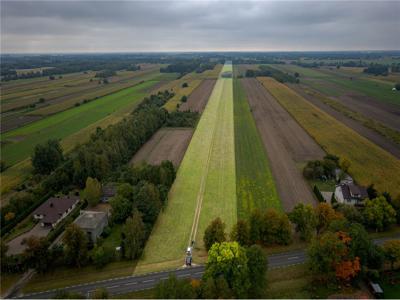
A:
{"x":150,"y":280}
{"x":113,"y":286}
{"x":131,"y":283}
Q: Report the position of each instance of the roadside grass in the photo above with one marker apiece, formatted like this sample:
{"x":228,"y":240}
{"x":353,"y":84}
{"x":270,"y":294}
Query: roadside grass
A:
{"x":255,"y":185}
{"x":205,"y":159}
{"x":66,"y":123}
{"x":145,"y":294}
{"x":369,"y":163}
{"x":67,"y":276}
{"x":390,"y":284}
{"x":7,"y":280}
{"x":378,"y":127}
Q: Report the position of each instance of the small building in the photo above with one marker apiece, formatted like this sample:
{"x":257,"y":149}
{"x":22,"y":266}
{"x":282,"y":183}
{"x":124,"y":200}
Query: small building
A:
{"x":109,"y":190}
{"x":350,"y":193}
{"x":51,"y":212}
{"x":92,"y":222}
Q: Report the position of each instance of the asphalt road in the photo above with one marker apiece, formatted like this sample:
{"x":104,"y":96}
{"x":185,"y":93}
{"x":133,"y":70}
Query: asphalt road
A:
{"x":128,"y":284}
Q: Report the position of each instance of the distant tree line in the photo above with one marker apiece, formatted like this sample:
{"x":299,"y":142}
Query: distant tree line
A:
{"x":105,"y":74}
{"x":188,"y":66}
{"x":377,"y":69}
{"x":271,"y":72}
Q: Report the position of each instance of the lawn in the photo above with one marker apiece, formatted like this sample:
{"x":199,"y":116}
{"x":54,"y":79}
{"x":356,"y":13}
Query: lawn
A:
{"x":369,"y":163}
{"x":21,"y":141}
{"x":207,"y":174}
{"x":255,"y":186}
{"x":7,"y":280}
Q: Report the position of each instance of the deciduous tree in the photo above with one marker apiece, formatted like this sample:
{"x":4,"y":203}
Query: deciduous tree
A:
{"x":229,"y":260}
{"x":392,"y":252}
{"x":379,"y":214}
{"x":135,"y":234}
{"x":92,"y":191}
{"x":241,"y":233}
{"x":215,"y":233}
{"x":47,"y":157}
{"x":304,"y":218}
{"x":76,"y":245}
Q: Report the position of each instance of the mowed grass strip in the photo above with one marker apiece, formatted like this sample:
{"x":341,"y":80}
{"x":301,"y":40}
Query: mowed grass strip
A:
{"x":172,"y":231}
{"x":369,"y":163}
{"x":255,"y":186}
{"x":219,"y":199}
{"x":21,"y":141}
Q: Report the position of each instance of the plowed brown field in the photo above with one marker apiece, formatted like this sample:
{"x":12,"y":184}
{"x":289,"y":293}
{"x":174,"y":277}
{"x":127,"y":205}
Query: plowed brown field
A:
{"x":198,"y":98}
{"x":165,"y":144}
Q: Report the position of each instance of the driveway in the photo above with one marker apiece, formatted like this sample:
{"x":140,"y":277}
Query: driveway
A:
{"x":15,"y":246}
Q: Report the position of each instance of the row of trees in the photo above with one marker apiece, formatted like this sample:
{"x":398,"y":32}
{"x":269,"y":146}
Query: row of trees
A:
{"x":266,"y":228}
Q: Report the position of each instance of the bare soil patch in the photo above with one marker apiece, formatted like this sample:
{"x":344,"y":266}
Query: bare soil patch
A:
{"x":165,"y":144}
{"x":286,"y":142}
{"x":199,"y":97}
{"x":386,"y":113}
{"x":8,"y":124}
{"x":370,"y":134}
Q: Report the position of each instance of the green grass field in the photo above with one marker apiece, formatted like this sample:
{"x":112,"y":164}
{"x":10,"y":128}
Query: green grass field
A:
{"x":20,"y":142}
{"x":369,"y":163}
{"x":255,"y":186}
{"x":206,"y":173}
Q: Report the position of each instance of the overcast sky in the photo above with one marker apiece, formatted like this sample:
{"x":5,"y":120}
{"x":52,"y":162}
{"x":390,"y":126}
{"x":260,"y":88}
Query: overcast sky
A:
{"x":131,"y":26}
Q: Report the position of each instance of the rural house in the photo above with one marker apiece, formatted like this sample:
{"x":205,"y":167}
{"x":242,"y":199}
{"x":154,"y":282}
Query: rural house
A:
{"x":92,"y":222}
{"x":51,"y":212}
{"x":350,"y":193}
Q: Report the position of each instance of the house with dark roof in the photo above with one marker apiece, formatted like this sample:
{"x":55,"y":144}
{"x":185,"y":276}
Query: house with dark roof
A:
{"x":350,"y":193}
{"x":92,"y":222}
{"x":51,"y":212}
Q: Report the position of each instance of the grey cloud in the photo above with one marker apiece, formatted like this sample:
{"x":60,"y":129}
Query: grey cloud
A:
{"x":63,"y":26}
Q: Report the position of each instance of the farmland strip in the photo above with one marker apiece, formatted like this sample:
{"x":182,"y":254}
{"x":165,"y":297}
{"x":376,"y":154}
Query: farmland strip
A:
{"x":287,"y":145}
{"x":369,"y":163}
{"x":255,"y":186}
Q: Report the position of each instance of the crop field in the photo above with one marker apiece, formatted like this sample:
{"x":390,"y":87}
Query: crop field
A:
{"x":255,"y":186}
{"x":19,"y":143}
{"x":369,"y":163}
{"x":193,"y":80}
{"x":378,"y":133}
{"x":26,"y":102}
{"x":198,"y":99}
{"x":341,"y":89}
{"x":287,"y":144}
{"x":166,"y":144}
{"x":205,"y":184}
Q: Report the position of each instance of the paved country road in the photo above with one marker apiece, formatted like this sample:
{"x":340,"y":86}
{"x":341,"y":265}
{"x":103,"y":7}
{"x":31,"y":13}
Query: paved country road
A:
{"x":128,"y":284}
